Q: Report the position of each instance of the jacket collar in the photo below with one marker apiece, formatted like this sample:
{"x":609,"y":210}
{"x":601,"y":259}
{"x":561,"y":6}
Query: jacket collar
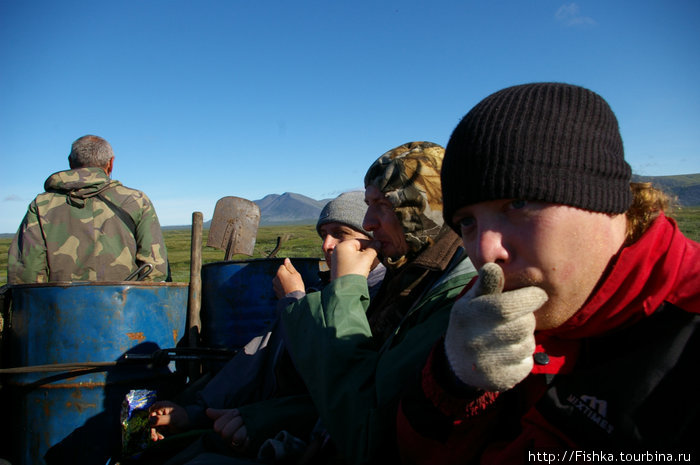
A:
{"x":438,"y":255}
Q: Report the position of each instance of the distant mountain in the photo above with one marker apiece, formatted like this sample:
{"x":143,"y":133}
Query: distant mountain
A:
{"x":288,"y":208}
{"x":684,"y":186}
{"x":291,"y":208}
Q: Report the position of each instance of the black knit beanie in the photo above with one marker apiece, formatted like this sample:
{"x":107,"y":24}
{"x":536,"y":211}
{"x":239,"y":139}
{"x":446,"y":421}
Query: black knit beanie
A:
{"x":549,"y":142}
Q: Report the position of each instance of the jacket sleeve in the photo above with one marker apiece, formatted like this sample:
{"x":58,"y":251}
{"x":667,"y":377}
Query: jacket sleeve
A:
{"x":354,"y":384}
{"x":26,"y":260}
{"x":264,"y":419}
{"x":150,"y":245}
{"x":440,"y":422}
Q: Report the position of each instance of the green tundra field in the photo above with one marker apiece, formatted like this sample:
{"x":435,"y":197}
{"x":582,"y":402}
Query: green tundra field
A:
{"x":298,"y":241}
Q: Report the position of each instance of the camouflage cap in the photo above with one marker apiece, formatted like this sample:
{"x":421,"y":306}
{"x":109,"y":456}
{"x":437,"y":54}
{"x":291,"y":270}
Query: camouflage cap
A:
{"x":409,"y":177}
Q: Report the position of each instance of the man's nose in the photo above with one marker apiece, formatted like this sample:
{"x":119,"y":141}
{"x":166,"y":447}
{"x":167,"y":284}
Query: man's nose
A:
{"x":490,"y":247}
{"x":329,"y":243}
{"x":369,"y":222}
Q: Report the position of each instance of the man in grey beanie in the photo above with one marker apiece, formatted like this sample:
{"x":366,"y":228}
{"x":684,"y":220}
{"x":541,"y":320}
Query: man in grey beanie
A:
{"x":260,"y":381}
{"x":340,"y":220}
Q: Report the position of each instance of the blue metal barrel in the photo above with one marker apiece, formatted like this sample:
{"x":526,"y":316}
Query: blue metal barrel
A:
{"x":74,"y":415}
{"x":238,"y":302}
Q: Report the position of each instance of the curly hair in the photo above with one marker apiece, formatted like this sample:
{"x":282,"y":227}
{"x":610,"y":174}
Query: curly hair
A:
{"x":648,"y":201}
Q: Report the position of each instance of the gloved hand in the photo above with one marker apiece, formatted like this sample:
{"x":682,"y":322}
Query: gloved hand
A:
{"x":491,"y":336}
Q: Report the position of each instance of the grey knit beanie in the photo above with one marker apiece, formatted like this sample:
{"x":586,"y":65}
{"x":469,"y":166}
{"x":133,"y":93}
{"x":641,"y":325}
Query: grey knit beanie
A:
{"x":348,"y":208}
{"x":548,"y":142}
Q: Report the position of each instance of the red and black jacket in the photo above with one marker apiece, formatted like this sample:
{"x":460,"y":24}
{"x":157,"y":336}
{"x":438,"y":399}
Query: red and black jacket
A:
{"x":620,"y":375}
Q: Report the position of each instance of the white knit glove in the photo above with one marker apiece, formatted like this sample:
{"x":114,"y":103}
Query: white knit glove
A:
{"x":491,"y":336}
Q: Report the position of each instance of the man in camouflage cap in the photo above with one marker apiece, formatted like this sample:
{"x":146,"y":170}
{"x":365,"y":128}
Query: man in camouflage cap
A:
{"x":409,"y":178}
{"x":357,"y":354}
{"x":403,"y":191}
{"x":86,"y":226}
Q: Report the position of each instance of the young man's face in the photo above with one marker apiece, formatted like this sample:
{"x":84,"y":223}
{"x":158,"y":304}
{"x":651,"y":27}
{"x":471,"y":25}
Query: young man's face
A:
{"x":561,"y":249}
{"x":333,"y":234}
{"x":384,"y":224}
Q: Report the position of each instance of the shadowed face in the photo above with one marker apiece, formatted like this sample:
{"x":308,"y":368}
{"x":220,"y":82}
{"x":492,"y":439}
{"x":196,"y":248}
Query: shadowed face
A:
{"x":382,"y":221}
{"x":561,"y":249}
{"x":333,"y":234}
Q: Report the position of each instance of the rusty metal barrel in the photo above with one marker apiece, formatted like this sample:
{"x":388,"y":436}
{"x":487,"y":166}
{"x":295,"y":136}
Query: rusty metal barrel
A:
{"x":238,"y":301}
{"x":67,"y":402}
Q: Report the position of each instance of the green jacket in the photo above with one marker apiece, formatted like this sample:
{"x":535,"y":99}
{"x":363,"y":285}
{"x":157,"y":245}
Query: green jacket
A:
{"x":71,"y":233}
{"x":355,"y":384}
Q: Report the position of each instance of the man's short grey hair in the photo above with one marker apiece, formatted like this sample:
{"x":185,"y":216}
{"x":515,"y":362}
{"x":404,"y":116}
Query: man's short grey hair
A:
{"x":90,"y":151}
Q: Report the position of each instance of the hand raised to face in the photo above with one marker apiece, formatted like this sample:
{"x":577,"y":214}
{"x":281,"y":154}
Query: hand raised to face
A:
{"x":353,"y":257}
{"x":491,"y":335}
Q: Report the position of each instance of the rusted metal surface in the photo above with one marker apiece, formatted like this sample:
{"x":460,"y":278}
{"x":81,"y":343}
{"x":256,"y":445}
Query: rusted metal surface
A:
{"x":136,"y":336}
{"x":56,"y":367}
{"x":234,"y":226}
{"x":91,"y":321}
{"x":55,"y":284}
{"x":69,"y":324}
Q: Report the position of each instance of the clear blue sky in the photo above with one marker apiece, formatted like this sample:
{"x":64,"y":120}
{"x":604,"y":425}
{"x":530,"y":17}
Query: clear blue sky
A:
{"x":203,"y":99}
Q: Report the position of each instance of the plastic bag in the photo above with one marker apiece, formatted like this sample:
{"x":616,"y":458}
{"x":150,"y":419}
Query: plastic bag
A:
{"x":136,"y":432}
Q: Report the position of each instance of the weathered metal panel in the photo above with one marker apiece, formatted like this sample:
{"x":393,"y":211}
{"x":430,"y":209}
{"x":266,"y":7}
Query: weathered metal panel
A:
{"x":83,"y":322}
{"x":238,"y":301}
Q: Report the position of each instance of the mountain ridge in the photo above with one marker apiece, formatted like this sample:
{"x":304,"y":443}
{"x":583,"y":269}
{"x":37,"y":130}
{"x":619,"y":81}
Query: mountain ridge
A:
{"x":685,"y":187}
{"x":287,"y":208}
{"x":293,"y":208}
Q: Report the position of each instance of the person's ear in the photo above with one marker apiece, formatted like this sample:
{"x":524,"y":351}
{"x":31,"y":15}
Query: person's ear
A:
{"x":110,"y":166}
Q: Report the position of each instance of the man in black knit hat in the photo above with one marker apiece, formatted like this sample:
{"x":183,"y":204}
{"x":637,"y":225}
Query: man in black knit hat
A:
{"x":579,"y":336}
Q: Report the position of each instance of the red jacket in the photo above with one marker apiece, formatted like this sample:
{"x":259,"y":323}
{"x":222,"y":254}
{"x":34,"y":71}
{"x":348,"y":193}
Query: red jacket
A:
{"x":632,"y":346}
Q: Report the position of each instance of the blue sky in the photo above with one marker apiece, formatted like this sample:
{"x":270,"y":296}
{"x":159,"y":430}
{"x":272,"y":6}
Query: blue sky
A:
{"x":204,"y":99}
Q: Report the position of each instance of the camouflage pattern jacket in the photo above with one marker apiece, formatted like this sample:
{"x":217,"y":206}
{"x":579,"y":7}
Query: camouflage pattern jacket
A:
{"x":86,"y":227}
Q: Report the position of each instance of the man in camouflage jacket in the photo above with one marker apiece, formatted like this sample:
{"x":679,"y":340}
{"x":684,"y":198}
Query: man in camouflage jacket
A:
{"x":87,"y":227}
